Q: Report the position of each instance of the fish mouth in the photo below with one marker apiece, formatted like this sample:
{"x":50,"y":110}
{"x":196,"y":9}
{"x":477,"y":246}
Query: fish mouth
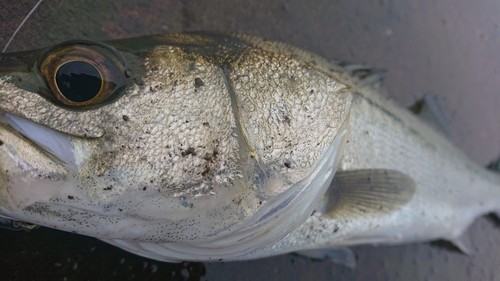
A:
{"x":36,"y":163}
{"x":57,"y":144}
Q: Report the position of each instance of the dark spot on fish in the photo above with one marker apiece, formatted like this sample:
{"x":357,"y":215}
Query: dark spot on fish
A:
{"x":336,"y":228}
{"x":125,"y":118}
{"x":108,"y":187}
{"x":198,"y":82}
{"x":205,"y":171}
{"x":189,"y":151}
{"x":144,"y":188}
{"x":71,"y":197}
{"x":311,"y":91}
{"x":211,"y":157}
{"x":120,"y":209}
{"x":287,"y":163}
{"x":1,"y":143}
{"x":206,"y":124}
{"x":237,"y":201}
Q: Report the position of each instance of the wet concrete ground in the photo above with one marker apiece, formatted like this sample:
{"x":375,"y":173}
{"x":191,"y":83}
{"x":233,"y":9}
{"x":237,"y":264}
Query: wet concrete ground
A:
{"x":447,"y":48}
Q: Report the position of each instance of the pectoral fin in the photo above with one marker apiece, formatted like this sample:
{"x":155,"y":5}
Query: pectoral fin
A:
{"x":367,"y":193}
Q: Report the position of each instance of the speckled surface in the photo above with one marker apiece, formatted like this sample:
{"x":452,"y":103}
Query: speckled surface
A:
{"x":448,"y":49}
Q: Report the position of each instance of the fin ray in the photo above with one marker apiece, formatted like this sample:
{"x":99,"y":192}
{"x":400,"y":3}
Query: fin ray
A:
{"x":367,"y":192}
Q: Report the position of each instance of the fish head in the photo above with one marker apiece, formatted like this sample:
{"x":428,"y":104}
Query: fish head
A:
{"x":203,"y":141}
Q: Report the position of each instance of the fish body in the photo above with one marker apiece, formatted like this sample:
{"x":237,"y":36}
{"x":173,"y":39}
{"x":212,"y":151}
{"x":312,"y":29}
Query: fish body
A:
{"x":213,"y":147}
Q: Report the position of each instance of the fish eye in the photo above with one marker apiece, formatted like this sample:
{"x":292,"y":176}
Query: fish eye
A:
{"x":82,"y":74}
{"x":78,"y":81}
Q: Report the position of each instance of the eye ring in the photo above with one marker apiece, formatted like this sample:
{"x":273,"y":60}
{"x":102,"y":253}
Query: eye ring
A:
{"x":82,"y":74}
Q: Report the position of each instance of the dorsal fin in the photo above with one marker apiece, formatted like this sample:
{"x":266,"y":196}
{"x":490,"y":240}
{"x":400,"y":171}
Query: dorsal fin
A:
{"x":362,"y":75}
{"x":430,"y":109}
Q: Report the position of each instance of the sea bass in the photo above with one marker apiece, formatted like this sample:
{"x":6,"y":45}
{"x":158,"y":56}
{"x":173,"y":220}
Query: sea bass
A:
{"x":222,"y":147}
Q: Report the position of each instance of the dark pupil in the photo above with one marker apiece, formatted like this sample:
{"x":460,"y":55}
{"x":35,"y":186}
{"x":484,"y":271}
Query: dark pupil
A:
{"x":78,"y":81}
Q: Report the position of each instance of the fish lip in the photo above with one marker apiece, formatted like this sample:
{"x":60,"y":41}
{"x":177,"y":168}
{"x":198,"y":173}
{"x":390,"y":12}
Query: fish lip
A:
{"x":55,"y":143}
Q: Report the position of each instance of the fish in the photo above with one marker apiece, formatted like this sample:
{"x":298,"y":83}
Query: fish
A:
{"x":214,"y":147}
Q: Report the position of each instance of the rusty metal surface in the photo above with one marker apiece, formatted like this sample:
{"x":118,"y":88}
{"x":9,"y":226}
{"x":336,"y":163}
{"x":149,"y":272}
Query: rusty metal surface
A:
{"x":447,"y":48}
